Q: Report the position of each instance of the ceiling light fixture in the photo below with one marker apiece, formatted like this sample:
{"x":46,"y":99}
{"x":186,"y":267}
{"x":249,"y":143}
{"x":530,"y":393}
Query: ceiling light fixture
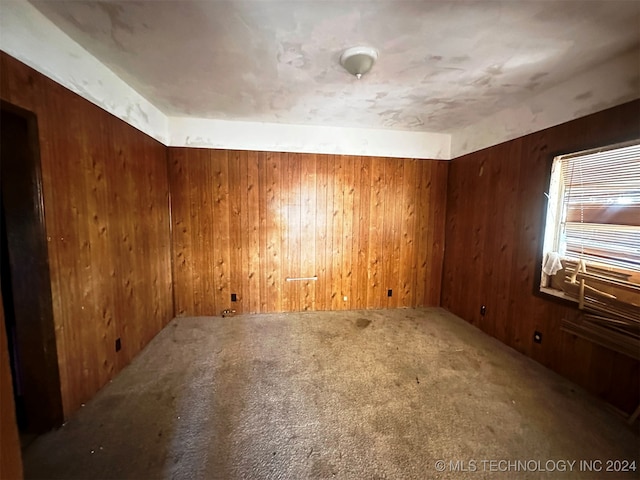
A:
{"x":358,"y":60}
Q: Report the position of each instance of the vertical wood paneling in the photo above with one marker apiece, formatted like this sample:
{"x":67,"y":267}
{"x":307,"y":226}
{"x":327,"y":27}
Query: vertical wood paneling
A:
{"x":181,"y":232}
{"x":221,"y":253}
{"x":364,"y":222}
{"x":346,"y":212}
{"x":308,"y":231}
{"x":291,"y":233}
{"x":394,"y":201}
{"x":200,"y":220}
{"x":72,"y":252}
{"x":494,"y":231}
{"x":157,"y":292}
{"x":437,"y":228}
{"x":356,"y":215}
{"x":423,"y":233}
{"x":237,"y":196}
{"x":323,"y":240}
{"x":357,"y":223}
{"x":376,"y":235}
{"x":504,"y":221}
{"x":406,"y":292}
{"x":276,"y":240}
{"x":251,"y":222}
{"x":337,"y":205}
{"x":97,"y":203}
{"x":106,"y":209}
{"x":329,"y":291}
{"x":263,"y":198}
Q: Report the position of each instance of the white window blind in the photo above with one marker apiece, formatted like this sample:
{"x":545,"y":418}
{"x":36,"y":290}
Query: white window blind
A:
{"x":601,"y":207}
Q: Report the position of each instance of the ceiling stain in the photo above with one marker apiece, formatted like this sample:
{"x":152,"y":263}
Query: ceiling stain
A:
{"x":584,"y":96}
{"x":416,"y":122}
{"x":483,"y":81}
{"x":278,"y":60}
{"x":461,"y":59}
{"x":114,"y":12}
{"x":292,"y":54}
{"x":494,"y":70}
{"x":539,"y":76}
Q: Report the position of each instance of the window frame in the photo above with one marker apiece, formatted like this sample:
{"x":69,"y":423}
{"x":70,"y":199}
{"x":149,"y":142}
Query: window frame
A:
{"x":547,"y":293}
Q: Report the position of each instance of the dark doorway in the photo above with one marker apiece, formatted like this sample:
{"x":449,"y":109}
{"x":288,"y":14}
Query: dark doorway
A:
{"x":26,"y":288}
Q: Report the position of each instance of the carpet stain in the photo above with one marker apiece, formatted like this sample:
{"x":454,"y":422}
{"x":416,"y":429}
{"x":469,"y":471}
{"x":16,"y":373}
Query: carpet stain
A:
{"x":363,"y":323}
{"x":323,"y":469}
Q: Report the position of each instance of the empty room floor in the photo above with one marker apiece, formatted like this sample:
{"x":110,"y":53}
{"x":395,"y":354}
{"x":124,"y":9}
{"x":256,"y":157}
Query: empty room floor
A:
{"x":397,"y":394}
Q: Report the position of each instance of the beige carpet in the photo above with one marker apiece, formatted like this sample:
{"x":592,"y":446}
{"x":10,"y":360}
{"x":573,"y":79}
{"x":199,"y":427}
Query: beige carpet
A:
{"x":349,"y":395}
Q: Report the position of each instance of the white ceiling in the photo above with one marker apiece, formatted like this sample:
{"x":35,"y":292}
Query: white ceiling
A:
{"x":442,"y":65}
{"x":453,"y":77}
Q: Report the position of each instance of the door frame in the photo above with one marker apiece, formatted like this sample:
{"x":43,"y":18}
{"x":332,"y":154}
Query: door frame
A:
{"x":35,"y":337}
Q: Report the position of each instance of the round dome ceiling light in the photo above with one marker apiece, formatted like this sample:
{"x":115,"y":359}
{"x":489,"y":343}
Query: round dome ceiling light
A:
{"x":358,"y":60}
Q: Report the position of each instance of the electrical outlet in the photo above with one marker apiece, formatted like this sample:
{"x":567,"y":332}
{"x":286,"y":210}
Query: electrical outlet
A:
{"x":483,"y":310}
{"x":537,"y":337}
{"x":389,"y":293}
{"x":234,"y":297}
{"x":118,"y":345}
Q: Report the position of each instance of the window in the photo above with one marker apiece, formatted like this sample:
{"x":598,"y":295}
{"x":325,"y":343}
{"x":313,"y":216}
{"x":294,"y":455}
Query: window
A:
{"x":592,"y":237}
{"x":594,"y":207}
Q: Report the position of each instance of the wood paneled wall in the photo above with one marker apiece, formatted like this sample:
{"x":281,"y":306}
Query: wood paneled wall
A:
{"x":106,"y":197}
{"x":245,"y":221}
{"x":494,"y":233}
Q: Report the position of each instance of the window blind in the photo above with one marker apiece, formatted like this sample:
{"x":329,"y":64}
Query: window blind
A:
{"x":601,"y":207}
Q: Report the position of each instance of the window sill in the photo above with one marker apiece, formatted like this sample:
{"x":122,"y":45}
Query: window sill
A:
{"x":557,"y":295}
